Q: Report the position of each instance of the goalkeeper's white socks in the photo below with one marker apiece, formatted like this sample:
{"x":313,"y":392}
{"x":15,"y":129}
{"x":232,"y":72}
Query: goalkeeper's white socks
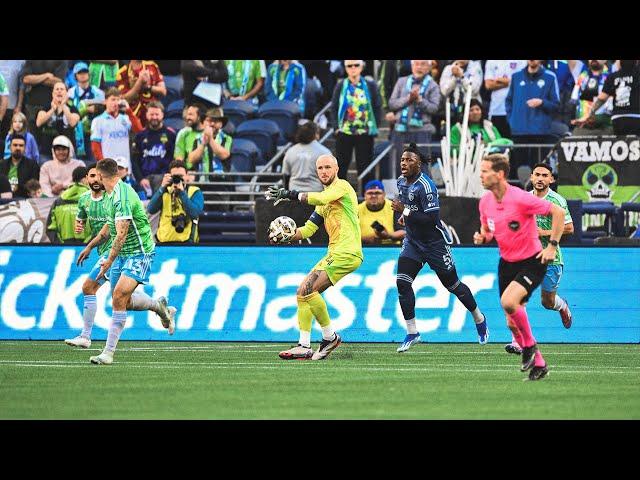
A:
{"x":327,"y":332}
{"x":305,"y":339}
{"x":411,"y":326}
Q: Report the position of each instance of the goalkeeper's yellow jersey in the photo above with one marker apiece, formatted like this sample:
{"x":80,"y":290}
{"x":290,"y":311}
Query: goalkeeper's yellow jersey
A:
{"x":337,"y":208}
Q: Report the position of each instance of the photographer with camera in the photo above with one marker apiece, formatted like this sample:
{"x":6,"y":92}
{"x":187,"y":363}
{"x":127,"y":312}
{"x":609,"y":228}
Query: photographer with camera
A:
{"x":180,"y":203}
{"x":378,"y":222}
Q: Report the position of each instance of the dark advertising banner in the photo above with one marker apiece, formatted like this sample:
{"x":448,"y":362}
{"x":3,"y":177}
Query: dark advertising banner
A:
{"x":595,"y":169}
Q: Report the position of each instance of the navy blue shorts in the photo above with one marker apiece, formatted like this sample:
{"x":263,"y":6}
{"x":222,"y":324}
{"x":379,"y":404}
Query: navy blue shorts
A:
{"x":437,"y":254}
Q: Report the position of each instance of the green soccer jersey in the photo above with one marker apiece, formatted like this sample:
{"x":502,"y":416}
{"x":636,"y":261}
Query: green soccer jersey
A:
{"x":122,"y":204}
{"x":92,"y":211}
{"x":545,"y":221}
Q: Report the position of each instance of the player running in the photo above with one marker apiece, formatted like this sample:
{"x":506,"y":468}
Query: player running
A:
{"x":508,"y":213}
{"x":541,"y":178}
{"x":130,"y":256}
{"x":337,"y":208}
{"x":426,"y":241}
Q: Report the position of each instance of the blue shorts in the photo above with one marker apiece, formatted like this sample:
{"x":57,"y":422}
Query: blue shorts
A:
{"x":437,"y":254}
{"x":137,"y":267}
{"x":96,"y":270}
{"x":551,"y":280}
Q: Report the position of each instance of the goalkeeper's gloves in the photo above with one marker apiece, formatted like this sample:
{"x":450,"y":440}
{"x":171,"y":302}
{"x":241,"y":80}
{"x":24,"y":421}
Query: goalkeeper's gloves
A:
{"x":280,"y":194}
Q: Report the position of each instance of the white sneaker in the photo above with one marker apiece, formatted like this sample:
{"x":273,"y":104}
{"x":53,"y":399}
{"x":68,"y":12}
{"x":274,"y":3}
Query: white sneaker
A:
{"x":172,"y":319}
{"x":78,"y":341}
{"x":326,"y":347}
{"x":105,"y":358}
{"x":296,"y":353}
{"x":164,"y":312}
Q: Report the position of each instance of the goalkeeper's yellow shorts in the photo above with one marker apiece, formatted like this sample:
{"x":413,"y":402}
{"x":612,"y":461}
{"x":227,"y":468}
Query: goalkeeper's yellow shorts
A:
{"x":337,"y":265}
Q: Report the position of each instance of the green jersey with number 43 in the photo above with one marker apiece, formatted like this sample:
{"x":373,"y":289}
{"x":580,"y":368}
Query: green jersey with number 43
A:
{"x":124,"y":204}
{"x":545,"y":221}
{"x":92,"y":212}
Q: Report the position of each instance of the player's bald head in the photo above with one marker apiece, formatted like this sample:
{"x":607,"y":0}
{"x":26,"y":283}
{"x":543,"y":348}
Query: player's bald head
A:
{"x":327,"y":159}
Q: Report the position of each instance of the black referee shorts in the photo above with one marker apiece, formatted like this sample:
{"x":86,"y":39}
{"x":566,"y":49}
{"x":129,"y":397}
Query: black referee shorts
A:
{"x":529,"y":273}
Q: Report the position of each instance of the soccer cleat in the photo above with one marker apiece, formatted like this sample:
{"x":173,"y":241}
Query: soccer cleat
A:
{"x":565,"y":315}
{"x":78,"y":341}
{"x":172,"y":319}
{"x":105,"y":358}
{"x":164,"y":312}
{"x":296,"y":353}
{"x":326,"y":347}
{"x":483,"y":339}
{"x":528,"y":357}
{"x":409,"y":340}
{"x":513,"y":348}
{"x":538,"y":373}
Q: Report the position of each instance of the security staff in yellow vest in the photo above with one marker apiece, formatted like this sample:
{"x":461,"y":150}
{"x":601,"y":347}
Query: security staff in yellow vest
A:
{"x":180,"y":204}
{"x":378,"y":222}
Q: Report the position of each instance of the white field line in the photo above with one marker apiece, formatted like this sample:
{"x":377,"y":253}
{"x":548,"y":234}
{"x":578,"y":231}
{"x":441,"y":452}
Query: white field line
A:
{"x":356,"y":368}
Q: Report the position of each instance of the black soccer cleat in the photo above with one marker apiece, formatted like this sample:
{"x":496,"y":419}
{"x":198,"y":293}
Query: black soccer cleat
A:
{"x":514,"y":349}
{"x":538,"y":373}
{"x":528,"y":357}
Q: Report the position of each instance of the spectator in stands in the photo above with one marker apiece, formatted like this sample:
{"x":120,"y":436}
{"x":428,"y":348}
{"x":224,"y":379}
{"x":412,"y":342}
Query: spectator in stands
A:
{"x":196,"y":71}
{"x":61,"y":223}
{"x":565,"y":113}
{"x":60,"y":118}
{"x":5,"y":188}
{"x":378,"y":222}
{"x":19,"y":126}
{"x":414,"y":99}
{"x":246,"y":79}
{"x":34,"y":189}
{"x":153,"y":149}
{"x":110,"y":130}
{"x":39,"y":78}
{"x":56,"y":174}
{"x":10,"y":70}
{"x":624,"y":86}
{"x":18,"y":168}
{"x":180,"y":205}
{"x":588,"y":86}
{"x":103,"y":73}
{"x":497,"y":77}
{"x":141,"y":82}
{"x":286,"y":80}
{"x":299,"y":164}
{"x":126,"y":177}
{"x":356,"y":106}
{"x":213,"y":150}
{"x":88,"y":101}
{"x":453,"y":84}
{"x":478,"y":125}
{"x":531,"y":101}
{"x":189,"y":137}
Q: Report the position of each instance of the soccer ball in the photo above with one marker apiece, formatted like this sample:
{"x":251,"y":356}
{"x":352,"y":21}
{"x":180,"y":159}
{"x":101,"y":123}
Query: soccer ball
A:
{"x":282,"y":229}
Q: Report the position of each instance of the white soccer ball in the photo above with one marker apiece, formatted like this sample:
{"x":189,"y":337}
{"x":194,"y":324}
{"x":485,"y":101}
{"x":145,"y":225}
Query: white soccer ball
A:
{"x":282,"y":229}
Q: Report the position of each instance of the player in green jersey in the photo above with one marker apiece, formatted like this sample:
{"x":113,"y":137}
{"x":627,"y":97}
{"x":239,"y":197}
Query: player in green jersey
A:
{"x":92,"y":215}
{"x":337,"y":209}
{"x":132,"y":249}
{"x":542,"y":178}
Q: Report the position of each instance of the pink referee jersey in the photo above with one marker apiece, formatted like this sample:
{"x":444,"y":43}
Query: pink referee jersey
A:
{"x":513,"y":223}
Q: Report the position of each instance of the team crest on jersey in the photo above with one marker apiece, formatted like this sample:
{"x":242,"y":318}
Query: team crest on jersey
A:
{"x":164,"y":138}
{"x":541,"y":83}
{"x":491,"y":224}
{"x":514,"y":225}
{"x":429,"y":197}
{"x":411,"y":197}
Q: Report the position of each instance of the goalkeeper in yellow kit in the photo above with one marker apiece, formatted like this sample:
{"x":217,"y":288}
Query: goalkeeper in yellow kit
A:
{"x":337,"y":208}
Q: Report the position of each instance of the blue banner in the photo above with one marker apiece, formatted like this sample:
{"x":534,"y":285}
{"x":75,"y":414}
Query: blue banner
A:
{"x":249,"y":294}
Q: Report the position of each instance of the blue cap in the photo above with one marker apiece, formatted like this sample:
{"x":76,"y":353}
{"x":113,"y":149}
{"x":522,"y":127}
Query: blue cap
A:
{"x":374,"y":185}
{"x":80,"y":67}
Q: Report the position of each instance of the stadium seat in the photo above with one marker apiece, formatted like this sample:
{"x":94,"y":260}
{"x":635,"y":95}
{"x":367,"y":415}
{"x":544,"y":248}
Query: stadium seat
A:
{"x":239,"y":110}
{"x":264,"y":133}
{"x":174,"y":83}
{"x":245,"y":155}
{"x":623,"y":217}
{"x":174,"y":122}
{"x":285,"y":113}
{"x":174,"y":110}
{"x":599,"y":208}
{"x":171,"y":96}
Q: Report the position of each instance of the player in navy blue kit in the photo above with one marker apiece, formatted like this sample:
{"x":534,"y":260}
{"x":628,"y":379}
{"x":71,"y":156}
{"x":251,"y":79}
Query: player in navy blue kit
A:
{"x":426,"y":241}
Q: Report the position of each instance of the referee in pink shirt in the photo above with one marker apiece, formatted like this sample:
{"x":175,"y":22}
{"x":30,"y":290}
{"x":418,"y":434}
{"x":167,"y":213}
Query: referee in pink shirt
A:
{"x":509,"y":214}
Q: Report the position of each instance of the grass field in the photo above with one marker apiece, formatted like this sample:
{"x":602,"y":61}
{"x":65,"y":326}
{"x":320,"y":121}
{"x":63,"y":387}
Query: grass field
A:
{"x":162,"y":380}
